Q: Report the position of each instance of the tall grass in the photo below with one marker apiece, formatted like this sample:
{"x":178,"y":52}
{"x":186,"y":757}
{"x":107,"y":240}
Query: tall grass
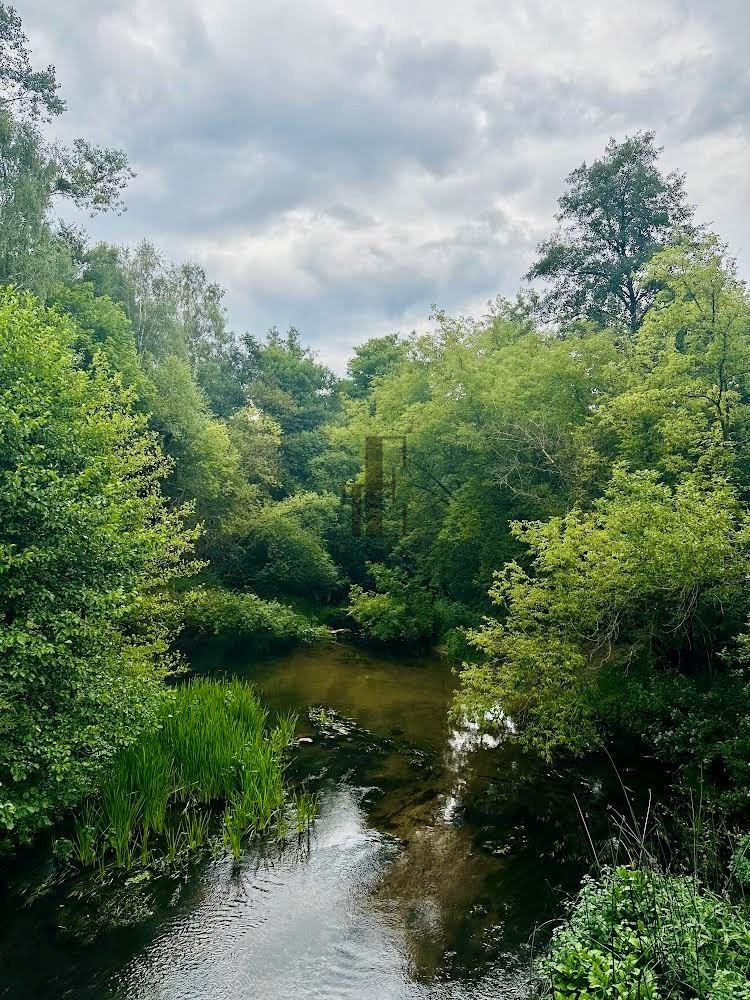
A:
{"x":213,"y":746}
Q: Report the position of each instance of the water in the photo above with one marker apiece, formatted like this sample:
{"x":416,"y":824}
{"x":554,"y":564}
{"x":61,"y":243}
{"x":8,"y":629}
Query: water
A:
{"x":433,"y":859}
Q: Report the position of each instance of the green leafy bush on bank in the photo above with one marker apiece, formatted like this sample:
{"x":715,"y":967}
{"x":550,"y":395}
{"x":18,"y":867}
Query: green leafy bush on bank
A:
{"x":400,"y":609}
{"x":643,"y":935}
{"x":232,"y":614}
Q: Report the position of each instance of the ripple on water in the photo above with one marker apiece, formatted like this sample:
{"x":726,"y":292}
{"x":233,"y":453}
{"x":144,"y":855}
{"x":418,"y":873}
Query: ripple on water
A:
{"x":306,"y":925}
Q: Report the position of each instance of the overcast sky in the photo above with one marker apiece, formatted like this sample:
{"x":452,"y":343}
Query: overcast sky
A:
{"x":341,"y":165}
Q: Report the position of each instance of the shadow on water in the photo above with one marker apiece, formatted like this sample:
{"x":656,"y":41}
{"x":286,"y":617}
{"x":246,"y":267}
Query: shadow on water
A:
{"x":432,"y":861}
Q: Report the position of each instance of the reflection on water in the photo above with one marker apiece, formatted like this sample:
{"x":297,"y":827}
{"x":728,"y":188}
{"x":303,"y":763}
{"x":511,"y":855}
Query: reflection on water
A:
{"x":303,"y":926}
{"x":433,"y":857}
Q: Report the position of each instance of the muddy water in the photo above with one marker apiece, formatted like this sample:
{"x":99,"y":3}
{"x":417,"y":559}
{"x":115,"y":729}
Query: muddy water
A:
{"x":433,"y":859}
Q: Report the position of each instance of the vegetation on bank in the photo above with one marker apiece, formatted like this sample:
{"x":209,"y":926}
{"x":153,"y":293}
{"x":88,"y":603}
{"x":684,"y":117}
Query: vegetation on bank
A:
{"x":212,"y":747}
{"x":89,"y":544}
{"x":400,"y":610}
{"x":637,"y":934}
{"x":245,"y":618}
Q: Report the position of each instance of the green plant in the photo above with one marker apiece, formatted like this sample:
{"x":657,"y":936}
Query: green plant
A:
{"x":641,"y":934}
{"x":234,"y":830}
{"x":740,"y":862}
{"x":212,"y":611}
{"x":212,"y":745}
{"x":306,"y":806}
{"x":86,"y":825}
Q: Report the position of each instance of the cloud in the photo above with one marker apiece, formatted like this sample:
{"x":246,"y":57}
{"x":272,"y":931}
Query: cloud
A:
{"x":343,"y":166}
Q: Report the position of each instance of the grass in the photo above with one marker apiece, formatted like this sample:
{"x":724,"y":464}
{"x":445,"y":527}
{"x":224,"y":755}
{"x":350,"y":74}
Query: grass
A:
{"x":305,"y":809}
{"x":213,"y":747}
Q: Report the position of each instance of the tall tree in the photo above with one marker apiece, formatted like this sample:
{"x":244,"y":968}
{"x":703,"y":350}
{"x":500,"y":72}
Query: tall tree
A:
{"x":34,"y":172}
{"x":615,"y":215}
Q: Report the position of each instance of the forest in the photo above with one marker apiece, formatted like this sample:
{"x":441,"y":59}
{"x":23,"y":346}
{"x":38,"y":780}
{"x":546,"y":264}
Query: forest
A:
{"x":566,"y":516}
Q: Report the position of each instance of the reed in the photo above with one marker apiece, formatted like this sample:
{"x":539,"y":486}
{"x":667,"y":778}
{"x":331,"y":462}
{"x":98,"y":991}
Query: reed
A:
{"x":306,"y":806}
{"x":235,"y":830}
{"x":85,"y":834}
{"x":213,"y":746}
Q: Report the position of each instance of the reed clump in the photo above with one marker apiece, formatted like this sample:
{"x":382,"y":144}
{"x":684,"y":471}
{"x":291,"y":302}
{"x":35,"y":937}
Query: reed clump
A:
{"x":213,"y":747}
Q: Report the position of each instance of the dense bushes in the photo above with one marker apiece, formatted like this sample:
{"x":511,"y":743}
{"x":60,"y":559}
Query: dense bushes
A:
{"x":651,"y":574}
{"x":400,"y":609}
{"x":644,"y":935}
{"x":246,"y":617}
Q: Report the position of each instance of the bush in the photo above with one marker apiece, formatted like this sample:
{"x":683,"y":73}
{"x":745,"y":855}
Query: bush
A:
{"x":400,"y":609}
{"x":643,"y":935}
{"x":698,"y":724}
{"x":231,"y":614}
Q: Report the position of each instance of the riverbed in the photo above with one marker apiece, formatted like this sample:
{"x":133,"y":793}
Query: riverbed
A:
{"x":432,"y":871}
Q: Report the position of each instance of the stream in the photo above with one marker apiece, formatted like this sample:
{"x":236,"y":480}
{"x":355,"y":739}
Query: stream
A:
{"x":435,"y":857}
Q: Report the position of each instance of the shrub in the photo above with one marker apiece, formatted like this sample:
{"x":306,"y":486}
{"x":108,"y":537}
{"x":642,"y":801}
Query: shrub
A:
{"x":232,"y":614}
{"x":644,"y":935}
{"x":401,"y":609}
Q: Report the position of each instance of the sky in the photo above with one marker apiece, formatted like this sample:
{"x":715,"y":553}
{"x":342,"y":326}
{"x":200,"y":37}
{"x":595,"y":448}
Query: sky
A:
{"x":342,"y":166}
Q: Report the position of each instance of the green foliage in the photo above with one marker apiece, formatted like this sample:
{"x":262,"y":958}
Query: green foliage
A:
{"x":278,"y":548}
{"x":490,"y":411}
{"x":245,"y":617}
{"x":376,"y":358}
{"x":211,"y":745}
{"x":206,"y":465}
{"x":306,"y":807}
{"x":616,"y":214}
{"x":21,"y":86}
{"x":87,"y":545}
{"x":648,"y":570}
{"x":285,"y":381}
{"x":649,"y":573}
{"x":644,"y":935}
{"x":35,"y":172}
{"x":101,"y":326}
{"x":740,"y":864}
{"x":401,"y":609}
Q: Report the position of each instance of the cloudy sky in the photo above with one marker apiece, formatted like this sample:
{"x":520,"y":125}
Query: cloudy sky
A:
{"x":342,"y":165}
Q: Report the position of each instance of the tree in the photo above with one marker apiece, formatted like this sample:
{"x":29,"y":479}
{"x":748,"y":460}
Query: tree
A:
{"x":34,"y":172}
{"x":258,"y":440}
{"x":87,"y":545}
{"x":283,"y":379}
{"x":616,"y":214}
{"x":375,"y":358}
{"x":280,"y":548}
{"x":205,"y":462}
{"x":21,"y":87}
{"x":101,"y":326}
{"x":652,"y":576}
{"x":175,"y":311}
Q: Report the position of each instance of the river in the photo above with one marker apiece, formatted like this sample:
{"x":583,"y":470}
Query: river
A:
{"x":433,"y":859}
